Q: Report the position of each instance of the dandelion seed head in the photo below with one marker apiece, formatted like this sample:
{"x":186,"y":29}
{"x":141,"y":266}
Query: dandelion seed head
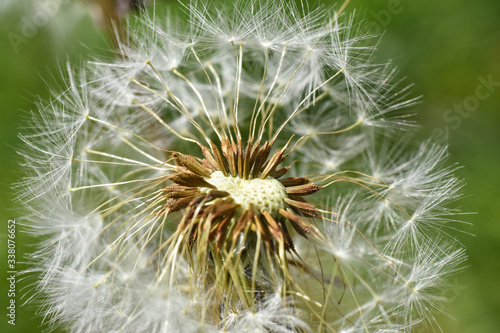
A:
{"x":248,"y":170}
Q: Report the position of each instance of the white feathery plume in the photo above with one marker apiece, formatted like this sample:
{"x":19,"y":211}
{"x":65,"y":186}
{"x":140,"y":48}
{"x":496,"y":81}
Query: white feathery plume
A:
{"x":187,"y":185}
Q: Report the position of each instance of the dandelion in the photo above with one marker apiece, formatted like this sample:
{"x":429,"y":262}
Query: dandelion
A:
{"x":250,"y":170}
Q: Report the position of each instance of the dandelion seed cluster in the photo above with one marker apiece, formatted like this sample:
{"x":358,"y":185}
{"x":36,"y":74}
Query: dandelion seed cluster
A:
{"x":248,"y":170}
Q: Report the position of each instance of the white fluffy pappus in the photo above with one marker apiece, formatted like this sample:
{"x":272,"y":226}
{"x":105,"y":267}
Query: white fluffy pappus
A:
{"x":137,"y":238}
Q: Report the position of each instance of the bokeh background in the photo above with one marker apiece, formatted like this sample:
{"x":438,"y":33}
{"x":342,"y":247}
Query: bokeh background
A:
{"x":449,"y":49}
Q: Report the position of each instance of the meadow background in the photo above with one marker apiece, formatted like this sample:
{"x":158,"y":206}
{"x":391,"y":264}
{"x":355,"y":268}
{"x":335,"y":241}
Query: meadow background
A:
{"x":447,"y":48}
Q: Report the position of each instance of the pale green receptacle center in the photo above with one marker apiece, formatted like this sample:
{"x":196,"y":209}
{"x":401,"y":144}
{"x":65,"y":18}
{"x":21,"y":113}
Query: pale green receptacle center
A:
{"x":266,"y":194}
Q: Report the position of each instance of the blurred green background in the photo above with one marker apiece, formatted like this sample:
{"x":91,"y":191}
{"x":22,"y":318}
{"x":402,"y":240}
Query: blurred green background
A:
{"x":448,"y":48}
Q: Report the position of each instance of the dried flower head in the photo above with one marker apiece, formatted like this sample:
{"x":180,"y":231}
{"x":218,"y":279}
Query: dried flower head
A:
{"x":247,"y":171}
